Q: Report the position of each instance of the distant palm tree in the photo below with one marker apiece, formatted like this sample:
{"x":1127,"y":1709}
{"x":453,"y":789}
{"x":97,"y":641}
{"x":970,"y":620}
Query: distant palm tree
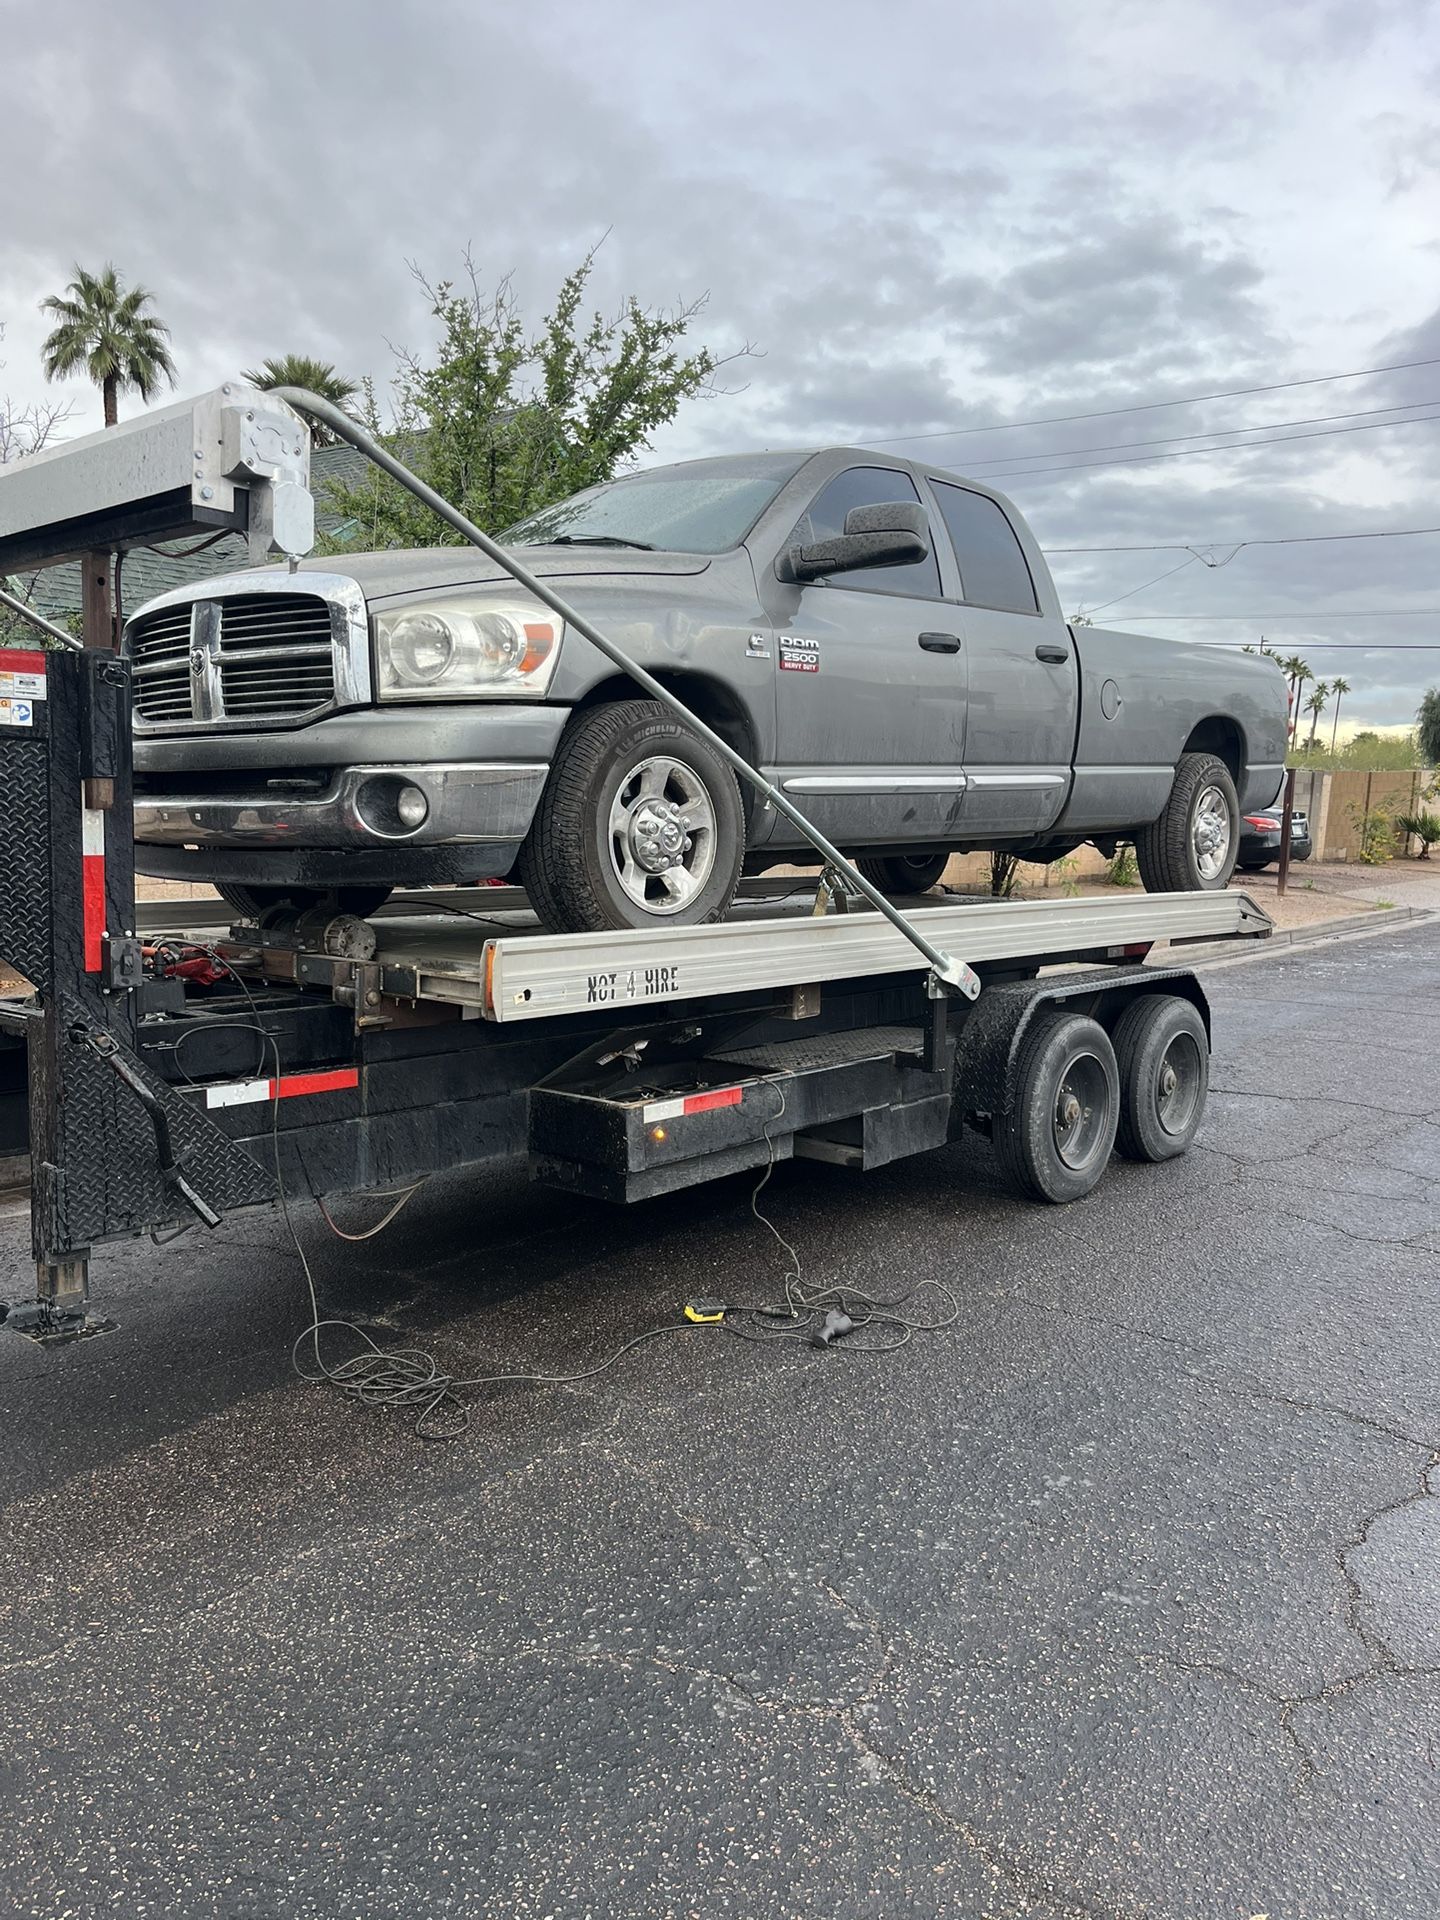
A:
{"x":318,"y":376}
{"x":1297,"y":672}
{"x":104,"y":331}
{"x":1315,"y":706}
{"x":1339,"y":688}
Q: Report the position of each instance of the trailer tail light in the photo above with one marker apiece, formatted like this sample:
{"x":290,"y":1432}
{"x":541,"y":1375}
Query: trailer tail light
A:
{"x":693,"y":1103}
{"x":1136,"y":950}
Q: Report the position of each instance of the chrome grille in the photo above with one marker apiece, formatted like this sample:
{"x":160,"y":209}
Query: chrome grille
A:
{"x":236,"y":659}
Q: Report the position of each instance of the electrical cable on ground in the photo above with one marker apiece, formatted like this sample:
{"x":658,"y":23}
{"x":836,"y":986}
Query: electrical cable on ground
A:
{"x":408,"y":1379}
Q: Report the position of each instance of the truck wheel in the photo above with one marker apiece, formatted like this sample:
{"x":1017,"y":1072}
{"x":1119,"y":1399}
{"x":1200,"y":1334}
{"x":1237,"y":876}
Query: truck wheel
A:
{"x":1056,"y":1140}
{"x":251,"y":902}
{"x":1164,"y":1060}
{"x":904,"y":872}
{"x":1191,"y":848}
{"x":640,"y":825}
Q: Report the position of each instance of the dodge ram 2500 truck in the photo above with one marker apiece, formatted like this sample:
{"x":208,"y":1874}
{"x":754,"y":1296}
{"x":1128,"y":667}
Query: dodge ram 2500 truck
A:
{"x":881,"y":638}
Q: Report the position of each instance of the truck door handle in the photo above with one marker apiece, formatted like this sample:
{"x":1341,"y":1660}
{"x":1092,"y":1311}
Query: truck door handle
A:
{"x":940,"y":642}
{"x":1052,"y":656}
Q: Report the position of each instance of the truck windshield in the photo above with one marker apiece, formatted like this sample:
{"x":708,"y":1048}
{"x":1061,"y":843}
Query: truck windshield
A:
{"x":702,"y":506}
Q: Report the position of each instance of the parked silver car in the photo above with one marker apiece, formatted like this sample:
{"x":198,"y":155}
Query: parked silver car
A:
{"x":882,"y":638}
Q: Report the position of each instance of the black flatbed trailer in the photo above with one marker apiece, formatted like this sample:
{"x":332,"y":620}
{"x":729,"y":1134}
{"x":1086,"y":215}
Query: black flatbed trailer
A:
{"x":160,"y":1067}
{"x":173,"y":1070}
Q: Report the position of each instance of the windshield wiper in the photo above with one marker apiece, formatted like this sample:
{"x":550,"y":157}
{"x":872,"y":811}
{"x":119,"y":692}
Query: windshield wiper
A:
{"x":598,"y":540}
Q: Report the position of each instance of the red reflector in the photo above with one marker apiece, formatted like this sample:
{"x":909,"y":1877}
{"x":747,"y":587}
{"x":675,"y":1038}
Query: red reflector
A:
{"x":703,"y":1102}
{"x":332,"y":1082}
{"x":21,"y":660}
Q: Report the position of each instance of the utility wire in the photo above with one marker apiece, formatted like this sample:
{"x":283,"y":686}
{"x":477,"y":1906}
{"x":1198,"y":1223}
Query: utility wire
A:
{"x":1145,"y":406}
{"x":1189,"y":560}
{"x":1187,"y":453}
{"x":1360,"y":613}
{"x":1274,"y":540}
{"x":1208,"y":433}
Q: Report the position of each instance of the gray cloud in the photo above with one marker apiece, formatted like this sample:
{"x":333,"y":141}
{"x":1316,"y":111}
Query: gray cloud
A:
{"x":969,"y":217}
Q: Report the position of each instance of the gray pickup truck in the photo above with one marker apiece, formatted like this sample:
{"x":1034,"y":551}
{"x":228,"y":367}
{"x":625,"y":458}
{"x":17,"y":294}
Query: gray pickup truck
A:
{"x":881,"y":638}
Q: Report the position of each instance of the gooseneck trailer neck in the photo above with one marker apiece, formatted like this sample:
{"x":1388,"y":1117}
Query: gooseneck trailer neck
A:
{"x":165,"y":1071}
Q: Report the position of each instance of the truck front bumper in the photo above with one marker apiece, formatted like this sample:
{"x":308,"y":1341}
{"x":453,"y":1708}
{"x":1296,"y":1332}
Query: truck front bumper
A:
{"x":387,"y":805}
{"x":322,"y":805}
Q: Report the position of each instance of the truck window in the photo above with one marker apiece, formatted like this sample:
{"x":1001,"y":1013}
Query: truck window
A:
{"x":867,"y":487}
{"x":993,"y":568}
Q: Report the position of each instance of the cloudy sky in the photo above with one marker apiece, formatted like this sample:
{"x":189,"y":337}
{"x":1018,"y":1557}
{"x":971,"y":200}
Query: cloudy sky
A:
{"x":931,"y":215}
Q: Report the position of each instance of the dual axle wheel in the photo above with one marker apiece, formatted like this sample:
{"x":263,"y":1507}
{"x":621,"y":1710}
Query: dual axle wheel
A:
{"x":1080,"y":1094}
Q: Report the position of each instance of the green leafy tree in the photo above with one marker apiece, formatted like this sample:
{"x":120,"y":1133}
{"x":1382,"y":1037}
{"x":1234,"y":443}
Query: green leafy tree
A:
{"x":503,"y":420}
{"x":1339,"y":687}
{"x":316,"y":376}
{"x":104,"y":331}
{"x":1428,"y":720}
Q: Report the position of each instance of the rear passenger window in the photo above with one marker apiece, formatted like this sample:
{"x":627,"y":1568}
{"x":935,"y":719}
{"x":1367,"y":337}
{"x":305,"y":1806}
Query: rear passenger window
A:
{"x":868,"y":487}
{"x":993,"y":568}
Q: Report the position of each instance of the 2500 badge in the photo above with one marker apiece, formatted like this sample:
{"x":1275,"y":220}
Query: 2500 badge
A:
{"x":798,"y":654}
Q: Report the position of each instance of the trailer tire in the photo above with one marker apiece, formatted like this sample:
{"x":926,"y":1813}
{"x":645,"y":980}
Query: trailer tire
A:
{"x":1192,"y":847}
{"x":1056,"y":1139}
{"x":251,"y":902}
{"x":1163,"y":1054}
{"x":598,"y":822}
{"x":903,"y":872}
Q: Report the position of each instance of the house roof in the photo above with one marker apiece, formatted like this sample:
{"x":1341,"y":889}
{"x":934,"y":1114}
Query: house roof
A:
{"x":55,"y":591}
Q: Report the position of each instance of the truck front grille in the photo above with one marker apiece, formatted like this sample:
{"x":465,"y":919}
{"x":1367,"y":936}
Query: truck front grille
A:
{"x":240,"y":659}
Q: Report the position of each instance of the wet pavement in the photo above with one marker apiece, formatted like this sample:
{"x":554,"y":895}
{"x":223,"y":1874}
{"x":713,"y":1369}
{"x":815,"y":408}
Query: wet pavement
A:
{"x":1120,"y":1599}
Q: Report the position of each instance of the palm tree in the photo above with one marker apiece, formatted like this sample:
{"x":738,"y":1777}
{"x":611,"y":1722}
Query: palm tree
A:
{"x":1315,"y":706}
{"x":1297,"y":672}
{"x":105,"y":332}
{"x":318,"y":376}
{"x":1429,"y":726}
{"x":1339,"y":688}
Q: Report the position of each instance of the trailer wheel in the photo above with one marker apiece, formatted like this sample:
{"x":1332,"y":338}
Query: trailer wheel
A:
{"x":1191,"y":848}
{"x":1056,"y":1140}
{"x":1164,"y":1060}
{"x":904,"y":872}
{"x":251,"y":902}
{"x":640,"y":825}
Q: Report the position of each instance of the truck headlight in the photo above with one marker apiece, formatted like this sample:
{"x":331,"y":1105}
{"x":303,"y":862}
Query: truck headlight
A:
{"x":458,"y":649}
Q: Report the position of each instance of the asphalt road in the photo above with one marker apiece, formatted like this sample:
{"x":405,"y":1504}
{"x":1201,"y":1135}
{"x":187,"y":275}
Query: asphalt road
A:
{"x":1121,"y":1599}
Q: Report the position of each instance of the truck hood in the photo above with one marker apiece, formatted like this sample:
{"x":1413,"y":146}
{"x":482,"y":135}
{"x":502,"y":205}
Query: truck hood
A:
{"x":392,"y":575}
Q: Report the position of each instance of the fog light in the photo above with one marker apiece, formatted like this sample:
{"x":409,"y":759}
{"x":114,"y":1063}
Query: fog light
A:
{"x":412,"y":806}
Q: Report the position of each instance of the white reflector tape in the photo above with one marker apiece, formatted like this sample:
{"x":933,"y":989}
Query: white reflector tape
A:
{"x":238,"y":1093}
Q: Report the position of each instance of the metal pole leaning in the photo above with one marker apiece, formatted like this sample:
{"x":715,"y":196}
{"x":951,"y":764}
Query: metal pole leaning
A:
{"x":38,"y":620}
{"x":952,"y":972}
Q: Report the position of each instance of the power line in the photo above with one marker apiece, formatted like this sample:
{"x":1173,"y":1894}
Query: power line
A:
{"x":1275,"y":540}
{"x":1188,"y":561}
{"x":1145,"y":406}
{"x":1369,"y":613}
{"x":1166,"y":439}
{"x":1187,"y":453}
{"x":1349,"y":646}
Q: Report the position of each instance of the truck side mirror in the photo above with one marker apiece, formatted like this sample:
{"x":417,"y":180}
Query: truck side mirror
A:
{"x":892,"y":534}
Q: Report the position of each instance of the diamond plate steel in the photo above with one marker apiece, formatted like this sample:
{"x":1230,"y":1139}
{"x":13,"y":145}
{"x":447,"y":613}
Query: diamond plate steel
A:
{"x":104,"y":1178}
{"x":25,"y":860}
